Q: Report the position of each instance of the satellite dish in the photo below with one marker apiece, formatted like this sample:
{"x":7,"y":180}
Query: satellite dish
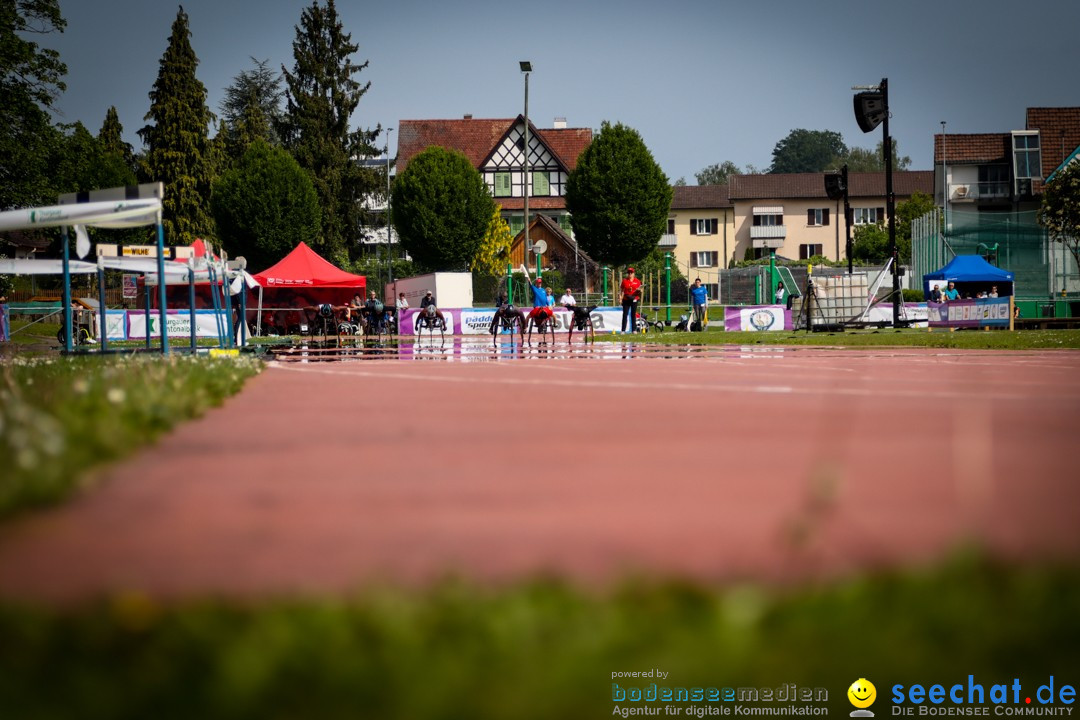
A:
{"x":540,"y":247}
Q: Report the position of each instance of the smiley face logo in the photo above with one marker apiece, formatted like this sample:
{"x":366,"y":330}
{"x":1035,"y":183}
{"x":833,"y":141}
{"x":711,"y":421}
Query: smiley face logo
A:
{"x":862,"y":693}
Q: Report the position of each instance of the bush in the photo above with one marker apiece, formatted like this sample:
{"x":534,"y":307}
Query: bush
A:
{"x":913,"y":295}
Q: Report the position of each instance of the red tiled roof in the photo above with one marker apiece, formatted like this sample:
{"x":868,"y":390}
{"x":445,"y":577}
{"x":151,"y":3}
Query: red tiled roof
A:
{"x":535,"y":203}
{"x":1059,"y":134}
{"x":978,"y":149}
{"x":693,"y":197}
{"x":478,"y":137}
{"x":812,"y":185}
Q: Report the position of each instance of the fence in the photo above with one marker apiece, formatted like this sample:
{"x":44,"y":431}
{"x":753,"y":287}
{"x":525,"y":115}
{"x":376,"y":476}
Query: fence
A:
{"x":1011,"y":240}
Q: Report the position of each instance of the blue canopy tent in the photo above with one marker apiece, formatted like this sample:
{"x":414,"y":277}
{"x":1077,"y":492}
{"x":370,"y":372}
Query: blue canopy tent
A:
{"x":971,"y":273}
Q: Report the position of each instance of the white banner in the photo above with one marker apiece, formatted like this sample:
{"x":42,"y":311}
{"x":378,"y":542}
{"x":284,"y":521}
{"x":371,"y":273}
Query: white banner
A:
{"x":179,"y":324}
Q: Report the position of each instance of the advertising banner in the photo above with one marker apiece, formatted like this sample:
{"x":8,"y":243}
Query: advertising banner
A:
{"x":131,"y":286}
{"x":476,"y":321}
{"x":5,"y":327}
{"x":757,"y":318}
{"x":989,"y":312}
{"x":179,"y":322}
{"x":115,"y":323}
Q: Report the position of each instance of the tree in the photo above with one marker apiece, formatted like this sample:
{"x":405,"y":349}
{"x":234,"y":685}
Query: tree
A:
{"x":178,"y":152}
{"x":1059,"y":212}
{"x":870,"y":243}
{"x":618,"y":197}
{"x":321,"y":96}
{"x":807,"y":151}
{"x":717,"y":174}
{"x":260,"y":87}
{"x":31,"y":78}
{"x":84,"y":163}
{"x":265,"y":206}
{"x":862,"y":160}
{"x":442,"y":209}
{"x":494,"y":250}
{"x":111,"y":137}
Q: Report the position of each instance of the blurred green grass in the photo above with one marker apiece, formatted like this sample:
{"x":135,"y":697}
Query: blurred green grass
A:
{"x":60,"y":416}
{"x":535,"y":650}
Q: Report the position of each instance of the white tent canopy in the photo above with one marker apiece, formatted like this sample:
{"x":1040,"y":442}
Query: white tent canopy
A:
{"x":119,"y":214}
{"x":44,"y":267}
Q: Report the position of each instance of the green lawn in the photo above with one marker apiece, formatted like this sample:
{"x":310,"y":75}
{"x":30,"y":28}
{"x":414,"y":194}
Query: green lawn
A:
{"x":62,"y":415}
{"x":537,"y":650}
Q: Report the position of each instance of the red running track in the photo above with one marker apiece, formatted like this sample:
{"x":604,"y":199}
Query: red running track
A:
{"x":772,"y":464}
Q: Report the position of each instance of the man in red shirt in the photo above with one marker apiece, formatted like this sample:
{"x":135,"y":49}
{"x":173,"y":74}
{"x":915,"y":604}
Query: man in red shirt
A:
{"x":631,"y":295}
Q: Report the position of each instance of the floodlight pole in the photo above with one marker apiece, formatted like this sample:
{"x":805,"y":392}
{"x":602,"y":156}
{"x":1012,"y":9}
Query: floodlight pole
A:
{"x":161,"y":287}
{"x":847,"y":217}
{"x":389,"y":234}
{"x":890,"y":202}
{"x":526,"y":67}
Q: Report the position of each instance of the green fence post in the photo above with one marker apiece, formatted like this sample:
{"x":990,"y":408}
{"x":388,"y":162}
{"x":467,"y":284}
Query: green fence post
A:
{"x":603,"y":291}
{"x":667,"y":282}
{"x":509,"y":284}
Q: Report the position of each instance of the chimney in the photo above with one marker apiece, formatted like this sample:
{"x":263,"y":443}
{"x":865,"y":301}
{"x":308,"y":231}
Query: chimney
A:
{"x":560,"y":123}
{"x":468,"y":116}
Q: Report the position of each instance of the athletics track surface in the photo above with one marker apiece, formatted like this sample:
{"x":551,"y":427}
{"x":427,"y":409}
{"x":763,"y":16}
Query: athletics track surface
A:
{"x":773,"y":464}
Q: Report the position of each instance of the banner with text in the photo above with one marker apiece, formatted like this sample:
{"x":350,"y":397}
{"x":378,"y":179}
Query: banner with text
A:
{"x":757,"y":318}
{"x":476,"y":321}
{"x":179,"y":322}
{"x":989,"y":312}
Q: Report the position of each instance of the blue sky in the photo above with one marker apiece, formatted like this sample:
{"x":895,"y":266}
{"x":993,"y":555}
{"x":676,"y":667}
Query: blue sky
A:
{"x":702,"y":81}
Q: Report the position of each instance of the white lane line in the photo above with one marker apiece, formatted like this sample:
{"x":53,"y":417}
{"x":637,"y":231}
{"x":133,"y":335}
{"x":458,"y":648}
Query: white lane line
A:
{"x":877,"y":391}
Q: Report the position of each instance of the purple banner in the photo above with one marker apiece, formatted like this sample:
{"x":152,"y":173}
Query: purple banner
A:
{"x":989,"y":312}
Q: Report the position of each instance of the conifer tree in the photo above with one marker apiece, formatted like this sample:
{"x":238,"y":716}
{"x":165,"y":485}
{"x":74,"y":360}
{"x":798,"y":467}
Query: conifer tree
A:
{"x":111,"y":136}
{"x":321,"y":95}
{"x":177,"y":146}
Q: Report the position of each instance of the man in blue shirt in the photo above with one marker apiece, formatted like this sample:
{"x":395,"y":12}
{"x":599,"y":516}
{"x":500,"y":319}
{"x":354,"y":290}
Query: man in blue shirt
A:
{"x":699,"y":301}
{"x":540,"y":301}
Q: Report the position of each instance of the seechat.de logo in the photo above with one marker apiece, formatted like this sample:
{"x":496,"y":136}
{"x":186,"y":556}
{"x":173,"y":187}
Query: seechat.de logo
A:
{"x":862,"y":695}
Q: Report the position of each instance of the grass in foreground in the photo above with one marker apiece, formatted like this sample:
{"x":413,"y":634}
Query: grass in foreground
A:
{"x":539,"y":650}
{"x":908,"y":337}
{"x":60,"y":416}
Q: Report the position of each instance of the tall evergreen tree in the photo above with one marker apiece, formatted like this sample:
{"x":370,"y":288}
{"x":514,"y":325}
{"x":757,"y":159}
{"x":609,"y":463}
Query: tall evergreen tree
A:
{"x":31,"y":78}
{"x":111,"y":136}
{"x":262,"y":86}
{"x":178,"y":151}
{"x":321,"y":96}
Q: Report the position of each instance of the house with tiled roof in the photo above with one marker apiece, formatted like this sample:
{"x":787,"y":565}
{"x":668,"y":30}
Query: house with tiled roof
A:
{"x":496,"y":148}
{"x":700,"y":231}
{"x":792,"y":215}
{"x":995,"y":172}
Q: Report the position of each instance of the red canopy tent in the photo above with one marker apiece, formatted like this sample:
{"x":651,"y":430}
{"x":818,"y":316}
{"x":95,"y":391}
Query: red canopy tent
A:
{"x":305,"y":268}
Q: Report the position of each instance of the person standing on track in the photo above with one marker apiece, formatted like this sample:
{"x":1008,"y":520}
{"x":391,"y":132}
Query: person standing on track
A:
{"x":699,"y":300}
{"x":631,"y":296}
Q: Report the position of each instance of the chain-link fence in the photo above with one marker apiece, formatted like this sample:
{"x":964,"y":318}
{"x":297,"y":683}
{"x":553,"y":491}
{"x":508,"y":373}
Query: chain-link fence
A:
{"x":1011,"y":240}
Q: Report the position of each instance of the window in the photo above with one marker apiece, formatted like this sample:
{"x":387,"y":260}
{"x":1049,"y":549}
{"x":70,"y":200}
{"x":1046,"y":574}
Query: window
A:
{"x":1027,"y":156}
{"x":704,"y":226}
{"x":541,"y":186}
{"x":817,"y":216}
{"x":808,"y":251}
{"x":671,"y":226}
{"x":760,"y":220}
{"x":867,"y":216}
{"x":564,"y":223}
{"x":502,"y":184}
{"x":704,"y":259}
{"x":516,"y":223}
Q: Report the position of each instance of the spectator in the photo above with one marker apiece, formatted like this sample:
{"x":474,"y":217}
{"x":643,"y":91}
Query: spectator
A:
{"x":699,"y":302}
{"x":567,"y":299}
{"x":993,"y":292}
{"x":781,"y":293}
{"x":631,"y":296}
{"x":428,"y":300}
{"x":402,"y":303}
{"x":951,"y":293}
{"x":935,"y":294}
